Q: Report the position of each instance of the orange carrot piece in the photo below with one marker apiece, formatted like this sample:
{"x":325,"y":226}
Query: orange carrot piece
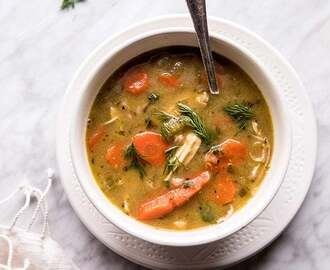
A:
{"x":166,"y":203}
{"x":135,"y":81}
{"x":226,"y":190}
{"x":230,"y":151}
{"x":169,"y":80}
{"x":151,"y":147}
{"x":115,"y":155}
{"x":235,"y":150}
{"x":96,"y":137}
{"x":156,"y":208}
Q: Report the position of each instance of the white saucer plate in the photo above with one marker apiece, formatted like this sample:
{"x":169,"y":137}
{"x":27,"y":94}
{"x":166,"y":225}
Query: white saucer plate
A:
{"x":259,"y":233}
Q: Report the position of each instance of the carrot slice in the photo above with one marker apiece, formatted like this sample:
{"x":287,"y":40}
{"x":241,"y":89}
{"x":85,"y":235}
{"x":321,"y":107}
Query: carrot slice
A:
{"x":169,"y":80}
{"x":96,"y":137}
{"x":226,"y":189}
{"x":115,"y":155}
{"x":151,"y":147}
{"x":230,"y":151}
{"x":135,"y":81}
{"x":166,"y":203}
{"x":236,"y":151}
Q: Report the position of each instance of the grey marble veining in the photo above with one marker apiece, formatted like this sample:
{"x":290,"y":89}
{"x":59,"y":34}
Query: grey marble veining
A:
{"x":40,"y":49}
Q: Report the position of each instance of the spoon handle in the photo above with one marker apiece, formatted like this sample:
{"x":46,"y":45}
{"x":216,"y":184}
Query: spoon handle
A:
{"x":197,"y":11}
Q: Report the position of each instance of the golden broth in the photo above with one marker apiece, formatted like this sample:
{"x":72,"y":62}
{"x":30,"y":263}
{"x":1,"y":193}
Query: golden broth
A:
{"x":117,"y":115}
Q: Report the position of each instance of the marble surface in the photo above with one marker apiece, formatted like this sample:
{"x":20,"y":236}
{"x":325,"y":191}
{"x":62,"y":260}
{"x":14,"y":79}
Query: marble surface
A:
{"x":40,"y":49}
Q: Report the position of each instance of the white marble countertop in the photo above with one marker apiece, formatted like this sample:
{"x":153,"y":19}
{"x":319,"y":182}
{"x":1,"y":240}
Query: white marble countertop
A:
{"x":40,"y":49}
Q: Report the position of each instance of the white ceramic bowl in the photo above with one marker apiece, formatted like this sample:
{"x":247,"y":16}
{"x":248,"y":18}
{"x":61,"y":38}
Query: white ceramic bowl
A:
{"x":101,"y":66}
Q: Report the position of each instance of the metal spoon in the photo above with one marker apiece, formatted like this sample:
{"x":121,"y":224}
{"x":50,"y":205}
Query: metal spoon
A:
{"x":197,"y":11}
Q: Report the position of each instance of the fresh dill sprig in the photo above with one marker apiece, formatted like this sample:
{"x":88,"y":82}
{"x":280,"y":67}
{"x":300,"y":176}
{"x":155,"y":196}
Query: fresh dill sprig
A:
{"x":172,"y":163}
{"x":137,"y":162}
{"x":164,"y":116}
{"x":173,"y":124}
{"x":193,"y":120}
{"x":169,"y":152}
{"x":240,"y":112}
{"x":66,"y":4}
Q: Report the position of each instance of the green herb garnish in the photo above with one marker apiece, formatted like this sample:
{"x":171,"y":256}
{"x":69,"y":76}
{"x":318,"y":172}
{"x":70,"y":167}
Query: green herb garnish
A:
{"x":153,"y":97}
{"x":137,"y":162}
{"x":171,"y":151}
{"x":172,"y":162}
{"x":172,"y":127}
{"x":70,"y":3}
{"x":206,"y":213}
{"x":193,"y":120}
{"x":172,"y":165}
{"x":164,"y":116}
{"x":173,"y":124}
{"x":241,"y":113}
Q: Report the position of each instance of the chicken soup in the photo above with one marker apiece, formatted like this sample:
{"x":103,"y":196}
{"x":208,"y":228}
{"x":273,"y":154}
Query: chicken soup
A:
{"x":167,"y":152}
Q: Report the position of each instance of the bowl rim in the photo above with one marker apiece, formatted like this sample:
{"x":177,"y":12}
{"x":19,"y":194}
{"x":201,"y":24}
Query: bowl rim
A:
{"x":94,"y":198}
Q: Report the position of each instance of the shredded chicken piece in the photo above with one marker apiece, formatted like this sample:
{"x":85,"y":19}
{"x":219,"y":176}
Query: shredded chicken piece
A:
{"x":202,"y":99}
{"x":254,"y":172}
{"x":265,"y":153}
{"x":110,"y":121}
{"x":187,"y":151}
{"x":114,"y":116}
{"x":178,"y":139}
{"x":189,"y":148}
{"x":262,"y":157}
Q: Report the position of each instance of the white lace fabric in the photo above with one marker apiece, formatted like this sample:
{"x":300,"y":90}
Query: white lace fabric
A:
{"x":21,"y":249}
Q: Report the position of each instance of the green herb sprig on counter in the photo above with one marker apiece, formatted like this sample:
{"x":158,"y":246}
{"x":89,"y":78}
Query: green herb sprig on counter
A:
{"x":66,"y":4}
{"x":137,"y":162}
{"x":240,"y":112}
